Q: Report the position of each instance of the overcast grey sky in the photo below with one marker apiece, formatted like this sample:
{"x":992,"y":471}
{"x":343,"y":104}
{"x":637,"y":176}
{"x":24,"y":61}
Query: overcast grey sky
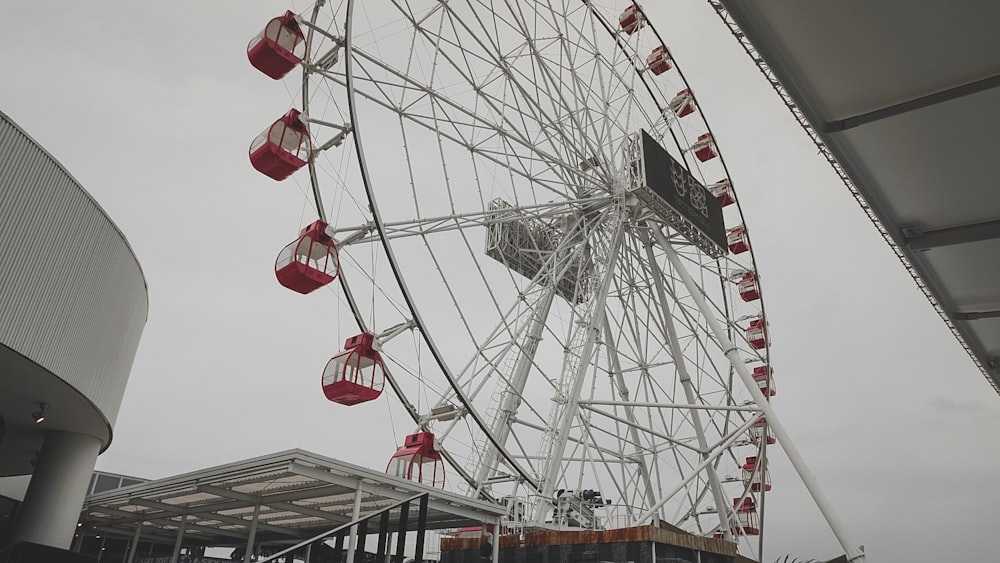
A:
{"x":152,"y":106}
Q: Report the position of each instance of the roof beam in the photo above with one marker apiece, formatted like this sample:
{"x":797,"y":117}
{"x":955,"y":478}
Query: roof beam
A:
{"x":110,"y":525}
{"x":155,"y":534}
{"x":265,"y":500}
{"x":911,"y":105}
{"x":975,"y":315}
{"x":926,"y":240}
{"x":391,"y":492}
{"x":209,"y":515}
{"x":229,"y":504}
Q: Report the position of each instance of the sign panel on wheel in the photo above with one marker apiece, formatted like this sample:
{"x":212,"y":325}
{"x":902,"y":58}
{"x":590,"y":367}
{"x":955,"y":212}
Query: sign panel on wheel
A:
{"x":671,"y":181}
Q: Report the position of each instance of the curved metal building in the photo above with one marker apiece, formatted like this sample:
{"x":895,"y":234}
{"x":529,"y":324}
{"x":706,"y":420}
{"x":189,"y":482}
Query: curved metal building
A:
{"x":73,"y":304}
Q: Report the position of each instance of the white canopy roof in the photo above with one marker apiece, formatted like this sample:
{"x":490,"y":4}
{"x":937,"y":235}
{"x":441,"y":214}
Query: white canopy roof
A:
{"x":300,"y":494}
{"x":902,"y":96}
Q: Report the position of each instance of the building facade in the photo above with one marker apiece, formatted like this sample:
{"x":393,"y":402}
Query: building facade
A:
{"x":73,"y":304}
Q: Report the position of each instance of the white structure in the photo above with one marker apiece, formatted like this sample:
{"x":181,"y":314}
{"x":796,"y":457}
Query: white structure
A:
{"x":906,"y":134}
{"x":73,"y":305}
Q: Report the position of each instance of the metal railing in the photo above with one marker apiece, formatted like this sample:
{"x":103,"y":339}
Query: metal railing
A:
{"x":362,"y":532}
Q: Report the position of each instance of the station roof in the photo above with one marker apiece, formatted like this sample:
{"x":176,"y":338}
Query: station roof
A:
{"x":902,"y":96}
{"x":300,"y":495}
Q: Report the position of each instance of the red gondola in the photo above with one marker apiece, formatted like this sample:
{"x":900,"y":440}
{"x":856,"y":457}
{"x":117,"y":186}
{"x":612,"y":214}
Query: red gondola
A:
{"x":704,"y":147}
{"x":282,"y":148}
{"x":723,"y":192}
{"x":279,"y":47}
{"x":747,"y":521}
{"x":355,"y":375}
{"x":764,"y":376}
{"x":659,"y":60}
{"x":737,"y":240}
{"x":310,"y":262}
{"x":760,"y":431}
{"x":757,"y":334}
{"x":756,"y":477}
{"x":683,"y":103}
{"x":418,"y":460}
{"x":631,"y":19}
{"x":749,"y":287}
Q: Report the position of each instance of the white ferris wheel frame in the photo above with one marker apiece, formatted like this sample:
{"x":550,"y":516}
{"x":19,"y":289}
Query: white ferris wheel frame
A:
{"x":594,"y":320}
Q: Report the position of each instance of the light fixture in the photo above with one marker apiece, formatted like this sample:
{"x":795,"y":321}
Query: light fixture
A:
{"x":39,"y":415}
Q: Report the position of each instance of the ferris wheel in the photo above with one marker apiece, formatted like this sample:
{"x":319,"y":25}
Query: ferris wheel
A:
{"x":541,"y":248}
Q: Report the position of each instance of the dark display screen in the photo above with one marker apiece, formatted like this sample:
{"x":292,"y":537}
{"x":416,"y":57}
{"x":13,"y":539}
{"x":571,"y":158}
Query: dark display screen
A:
{"x":671,"y":181}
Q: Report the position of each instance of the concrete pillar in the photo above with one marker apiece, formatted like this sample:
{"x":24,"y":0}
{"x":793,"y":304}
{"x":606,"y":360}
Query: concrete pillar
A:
{"x":52,"y":503}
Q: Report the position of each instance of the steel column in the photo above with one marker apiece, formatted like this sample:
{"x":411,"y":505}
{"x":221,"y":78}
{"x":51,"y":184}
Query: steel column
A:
{"x":180,"y":538}
{"x":565,"y":422}
{"x":252,"y":536}
{"x":135,"y":542}
{"x":418,"y":551}
{"x":511,"y":398}
{"x":853,"y":550}
{"x":383,"y":538}
{"x":689,"y":392}
{"x":354,"y":517}
{"x":622,"y":389}
{"x":359,"y":554}
{"x":404,"y":516}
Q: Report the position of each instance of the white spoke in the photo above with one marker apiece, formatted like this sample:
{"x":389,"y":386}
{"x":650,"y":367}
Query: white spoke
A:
{"x":478,"y":160}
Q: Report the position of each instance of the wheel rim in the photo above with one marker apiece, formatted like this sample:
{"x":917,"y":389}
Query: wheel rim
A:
{"x":505,"y":135}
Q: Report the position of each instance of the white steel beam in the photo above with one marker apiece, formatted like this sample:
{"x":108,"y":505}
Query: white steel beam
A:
{"x":511,"y":397}
{"x":567,"y":413}
{"x":252,"y":536}
{"x":395,"y":493}
{"x":355,"y":516}
{"x":721,"y":506}
{"x":722,"y":448}
{"x":633,"y":424}
{"x":180,"y":539}
{"x":588,"y":403}
{"x":853,"y":550}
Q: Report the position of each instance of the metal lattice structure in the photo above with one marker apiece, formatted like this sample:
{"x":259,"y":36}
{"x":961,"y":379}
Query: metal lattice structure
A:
{"x":519,"y":191}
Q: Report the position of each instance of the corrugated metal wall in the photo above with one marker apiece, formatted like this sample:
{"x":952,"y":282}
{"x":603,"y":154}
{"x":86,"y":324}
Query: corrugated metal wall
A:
{"x":72,"y":294}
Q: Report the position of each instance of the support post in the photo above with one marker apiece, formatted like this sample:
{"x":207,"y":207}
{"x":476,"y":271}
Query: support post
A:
{"x":560,"y":425}
{"x":623,"y":393}
{"x":359,"y":554}
{"x":854,"y":551}
{"x":383,"y":538}
{"x":78,"y":540}
{"x":677,"y":353}
{"x":355,"y":516}
{"x":180,"y":539}
{"x":309,"y":552}
{"x":496,"y":541}
{"x":418,"y":551}
{"x":50,"y":511}
{"x":511,"y":398}
{"x":338,"y":546}
{"x":404,"y":515}
{"x":252,"y":537}
{"x":135,"y":542}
